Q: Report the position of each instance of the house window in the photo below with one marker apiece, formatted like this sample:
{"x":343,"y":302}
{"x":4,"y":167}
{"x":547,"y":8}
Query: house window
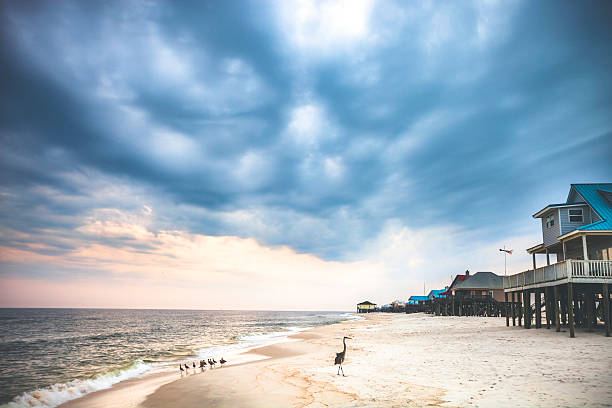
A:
{"x":550,"y":221}
{"x":575,"y":215}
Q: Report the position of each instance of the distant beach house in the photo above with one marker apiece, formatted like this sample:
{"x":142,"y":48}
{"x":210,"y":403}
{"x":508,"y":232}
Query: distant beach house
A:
{"x":366,"y":307}
{"x":398,"y":306}
{"x":387,"y":307}
{"x":418,"y":299}
{"x":480,"y":285}
{"x":479,"y":294}
{"x":398,"y":303}
{"x":437,"y":294}
{"x":457,"y":280}
{"x":416,"y":304}
{"x":575,"y":287}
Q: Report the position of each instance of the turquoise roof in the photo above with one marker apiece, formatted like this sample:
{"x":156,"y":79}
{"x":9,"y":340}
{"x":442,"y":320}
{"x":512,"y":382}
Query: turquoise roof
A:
{"x":419,"y":298}
{"x":595,"y":196}
{"x":436,"y":293}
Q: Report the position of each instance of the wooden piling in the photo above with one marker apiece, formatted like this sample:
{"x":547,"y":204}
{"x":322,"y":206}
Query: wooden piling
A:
{"x":527,"y":309}
{"x":547,"y":307}
{"x":596,"y":308}
{"x":506,"y":305}
{"x":519,"y":301}
{"x":606,"y":308}
{"x":556,"y":307}
{"x":538,"y":306}
{"x":570,"y":308}
{"x":513,"y":307}
{"x":589,"y":299}
{"x":563,"y":303}
{"x":578,"y":308}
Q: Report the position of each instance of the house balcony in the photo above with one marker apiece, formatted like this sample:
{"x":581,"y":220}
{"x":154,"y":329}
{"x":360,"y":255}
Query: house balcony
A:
{"x":569,"y":271}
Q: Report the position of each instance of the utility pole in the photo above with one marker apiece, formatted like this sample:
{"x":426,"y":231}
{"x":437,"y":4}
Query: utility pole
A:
{"x":506,"y":252}
{"x":505,"y":262}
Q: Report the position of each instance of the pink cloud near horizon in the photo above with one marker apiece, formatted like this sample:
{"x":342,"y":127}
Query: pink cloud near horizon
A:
{"x":119,"y":262}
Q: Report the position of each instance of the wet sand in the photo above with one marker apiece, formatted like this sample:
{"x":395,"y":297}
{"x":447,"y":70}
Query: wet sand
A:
{"x":396,"y":360}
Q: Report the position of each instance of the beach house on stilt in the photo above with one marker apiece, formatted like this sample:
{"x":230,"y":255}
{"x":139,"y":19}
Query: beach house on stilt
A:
{"x":366,"y":307}
{"x":573,"y":288}
{"x":477,"y":294}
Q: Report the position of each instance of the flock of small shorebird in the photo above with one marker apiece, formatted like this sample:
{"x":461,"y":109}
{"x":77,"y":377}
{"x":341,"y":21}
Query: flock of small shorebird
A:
{"x":211,"y":362}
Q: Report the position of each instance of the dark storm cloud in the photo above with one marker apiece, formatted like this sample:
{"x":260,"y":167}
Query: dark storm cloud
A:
{"x":226,"y":121}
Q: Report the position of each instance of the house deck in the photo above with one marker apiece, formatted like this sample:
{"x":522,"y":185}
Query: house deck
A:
{"x":572,"y":292}
{"x":574,"y":271}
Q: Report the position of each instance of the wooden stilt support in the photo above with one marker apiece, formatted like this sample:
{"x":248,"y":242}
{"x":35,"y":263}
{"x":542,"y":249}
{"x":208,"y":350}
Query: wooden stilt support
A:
{"x":519,"y":301}
{"x":513,"y":306}
{"x":563,"y":303}
{"x":589,"y":300}
{"x":570,"y":308}
{"x":595,"y":308}
{"x":606,"y":308}
{"x":556,"y":308}
{"x":578,"y":308}
{"x":506,"y":305}
{"x":538,"y":307}
{"x":547,"y":307}
{"x":527,"y":308}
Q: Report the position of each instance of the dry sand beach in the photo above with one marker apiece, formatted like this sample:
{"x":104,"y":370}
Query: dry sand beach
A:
{"x":395,"y":360}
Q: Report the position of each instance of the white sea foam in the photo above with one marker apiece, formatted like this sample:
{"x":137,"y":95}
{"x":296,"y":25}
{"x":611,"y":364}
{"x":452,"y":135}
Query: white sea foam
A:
{"x":353,"y":316}
{"x":59,"y":393}
{"x":236,"y":351}
{"x":343,"y":316}
{"x":250,"y":342}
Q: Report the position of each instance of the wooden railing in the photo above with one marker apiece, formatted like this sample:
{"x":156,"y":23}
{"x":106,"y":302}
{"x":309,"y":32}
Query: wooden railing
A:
{"x":591,"y":269}
{"x":565,"y":269}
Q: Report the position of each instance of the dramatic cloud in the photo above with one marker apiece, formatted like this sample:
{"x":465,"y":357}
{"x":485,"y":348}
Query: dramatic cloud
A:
{"x":405,"y":141}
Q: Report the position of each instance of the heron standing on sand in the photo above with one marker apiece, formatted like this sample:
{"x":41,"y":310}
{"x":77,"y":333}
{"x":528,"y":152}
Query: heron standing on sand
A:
{"x":340,"y":356}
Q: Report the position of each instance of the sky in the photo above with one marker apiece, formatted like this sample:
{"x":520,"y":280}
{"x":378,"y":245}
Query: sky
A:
{"x":288,"y":155}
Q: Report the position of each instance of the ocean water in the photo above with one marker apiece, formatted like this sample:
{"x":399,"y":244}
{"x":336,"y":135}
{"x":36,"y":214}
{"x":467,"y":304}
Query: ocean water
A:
{"x":50,"y":356}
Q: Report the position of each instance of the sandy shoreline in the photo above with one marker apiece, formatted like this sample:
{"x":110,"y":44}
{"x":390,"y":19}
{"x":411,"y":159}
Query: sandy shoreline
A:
{"x":395,"y":360}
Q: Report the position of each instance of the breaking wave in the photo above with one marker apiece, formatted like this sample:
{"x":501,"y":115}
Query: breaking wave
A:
{"x":57,"y":394}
